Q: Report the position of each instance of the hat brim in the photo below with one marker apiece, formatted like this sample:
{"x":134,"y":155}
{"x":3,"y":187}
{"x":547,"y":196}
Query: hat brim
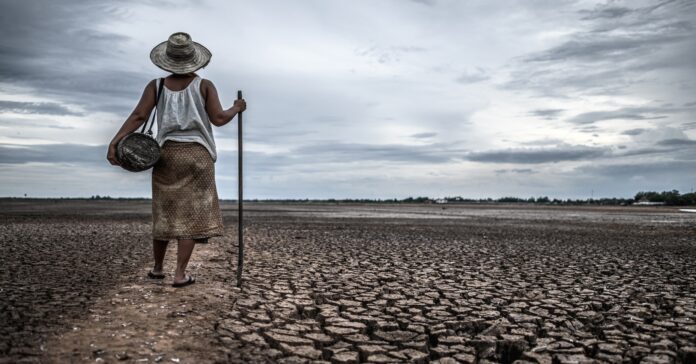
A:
{"x":200,"y":59}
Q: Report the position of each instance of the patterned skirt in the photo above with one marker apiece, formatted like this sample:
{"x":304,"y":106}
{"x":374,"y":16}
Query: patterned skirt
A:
{"x":184,"y":197}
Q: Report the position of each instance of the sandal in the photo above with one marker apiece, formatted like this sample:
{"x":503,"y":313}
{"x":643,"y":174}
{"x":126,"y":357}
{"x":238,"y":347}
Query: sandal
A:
{"x":154,"y":275}
{"x":189,"y":280}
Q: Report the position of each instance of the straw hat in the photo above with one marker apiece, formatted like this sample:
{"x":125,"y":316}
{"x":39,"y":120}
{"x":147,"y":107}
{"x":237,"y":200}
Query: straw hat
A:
{"x":180,"y":55}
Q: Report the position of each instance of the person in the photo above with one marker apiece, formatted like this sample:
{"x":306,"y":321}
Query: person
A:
{"x":185,"y":204}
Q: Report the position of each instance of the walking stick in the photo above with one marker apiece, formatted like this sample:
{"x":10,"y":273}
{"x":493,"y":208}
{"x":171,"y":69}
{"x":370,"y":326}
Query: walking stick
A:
{"x":240,"y":207}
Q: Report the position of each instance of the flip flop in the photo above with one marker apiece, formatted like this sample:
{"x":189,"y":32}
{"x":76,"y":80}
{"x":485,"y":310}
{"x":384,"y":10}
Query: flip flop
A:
{"x":152,"y":275}
{"x":188,"y":281}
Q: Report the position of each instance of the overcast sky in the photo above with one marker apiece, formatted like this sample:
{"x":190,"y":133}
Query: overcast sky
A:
{"x":373,"y":99}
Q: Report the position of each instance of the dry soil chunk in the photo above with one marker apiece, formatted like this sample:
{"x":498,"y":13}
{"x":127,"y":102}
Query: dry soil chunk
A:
{"x":395,"y":336}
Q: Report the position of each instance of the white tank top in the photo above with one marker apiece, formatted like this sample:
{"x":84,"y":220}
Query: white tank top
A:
{"x":181,"y":117}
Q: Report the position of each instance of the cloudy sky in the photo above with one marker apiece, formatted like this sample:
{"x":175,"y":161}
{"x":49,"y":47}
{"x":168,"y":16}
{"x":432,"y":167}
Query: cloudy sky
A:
{"x":375,"y":99}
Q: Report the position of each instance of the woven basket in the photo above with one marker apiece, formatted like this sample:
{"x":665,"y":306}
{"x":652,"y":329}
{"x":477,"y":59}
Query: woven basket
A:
{"x":137,"y":152}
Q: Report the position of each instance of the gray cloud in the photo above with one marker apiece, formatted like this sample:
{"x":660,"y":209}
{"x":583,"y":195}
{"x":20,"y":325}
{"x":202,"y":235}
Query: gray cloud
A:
{"x":609,"y":12}
{"x":423,"y":135}
{"x":588,"y":129}
{"x":643,"y":151}
{"x":689,"y":125}
{"x":642,"y":30}
{"x":515,"y":170}
{"x":593,"y":48}
{"x":337,"y":151}
{"x":613,"y":52}
{"x":19,"y":124}
{"x":611,"y":16}
{"x":634,"y":113}
{"x":665,"y":145}
{"x":677,"y":142}
{"x":633,"y":132}
{"x":49,"y":46}
{"x":53,"y":153}
{"x":560,"y":82}
{"x":50,"y":108}
{"x":542,"y":142}
{"x":660,"y":169}
{"x":538,"y":155}
{"x":548,"y":114}
{"x":312,"y":157}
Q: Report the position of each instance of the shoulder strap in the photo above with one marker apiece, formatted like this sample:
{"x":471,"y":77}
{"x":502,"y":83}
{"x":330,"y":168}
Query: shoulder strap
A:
{"x":154,"y":114}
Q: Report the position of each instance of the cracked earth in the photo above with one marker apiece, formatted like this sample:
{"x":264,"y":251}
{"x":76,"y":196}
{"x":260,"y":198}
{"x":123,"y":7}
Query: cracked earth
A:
{"x":353,"y":284}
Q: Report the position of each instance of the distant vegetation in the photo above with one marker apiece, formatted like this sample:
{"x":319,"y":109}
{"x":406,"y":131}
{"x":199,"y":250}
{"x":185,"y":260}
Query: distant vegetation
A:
{"x":97,"y":197}
{"x":672,"y":198}
{"x":669,"y":198}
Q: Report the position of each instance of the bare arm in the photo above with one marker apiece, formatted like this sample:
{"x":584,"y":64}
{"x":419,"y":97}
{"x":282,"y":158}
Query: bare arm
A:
{"x":217,"y":115}
{"x":135,"y":120}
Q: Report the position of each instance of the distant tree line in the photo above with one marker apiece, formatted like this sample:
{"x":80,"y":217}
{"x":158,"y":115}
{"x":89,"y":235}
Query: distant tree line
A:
{"x":97,"y":197}
{"x":672,"y":198}
{"x":669,"y":198}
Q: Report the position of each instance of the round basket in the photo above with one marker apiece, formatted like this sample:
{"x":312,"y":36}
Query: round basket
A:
{"x":137,"y":152}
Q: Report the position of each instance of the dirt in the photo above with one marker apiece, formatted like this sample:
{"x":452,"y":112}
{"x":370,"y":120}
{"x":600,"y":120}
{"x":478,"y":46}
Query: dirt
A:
{"x":348,"y":284}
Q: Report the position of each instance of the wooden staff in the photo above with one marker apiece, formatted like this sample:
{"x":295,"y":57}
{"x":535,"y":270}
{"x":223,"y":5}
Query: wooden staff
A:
{"x":240,"y":199}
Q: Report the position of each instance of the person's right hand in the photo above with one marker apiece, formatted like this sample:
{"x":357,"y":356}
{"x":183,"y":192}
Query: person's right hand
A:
{"x":240,"y":105}
{"x":111,"y":155}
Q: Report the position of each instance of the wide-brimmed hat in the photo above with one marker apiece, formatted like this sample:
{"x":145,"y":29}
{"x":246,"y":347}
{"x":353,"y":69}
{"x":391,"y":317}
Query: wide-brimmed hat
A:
{"x":180,"y":55}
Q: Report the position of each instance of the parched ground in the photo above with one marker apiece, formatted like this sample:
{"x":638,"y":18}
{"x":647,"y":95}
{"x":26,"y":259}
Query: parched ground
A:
{"x":351,"y":284}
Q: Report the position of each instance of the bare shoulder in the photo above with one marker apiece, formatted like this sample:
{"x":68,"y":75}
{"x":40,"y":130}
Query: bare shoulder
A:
{"x":206,"y":83}
{"x":150,"y":88}
{"x":207,"y":88}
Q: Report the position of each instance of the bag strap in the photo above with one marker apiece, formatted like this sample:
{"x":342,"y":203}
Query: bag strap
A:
{"x":154,"y":114}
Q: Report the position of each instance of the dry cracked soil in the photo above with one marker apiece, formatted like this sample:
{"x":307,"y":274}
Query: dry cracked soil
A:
{"x":352,"y":284}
